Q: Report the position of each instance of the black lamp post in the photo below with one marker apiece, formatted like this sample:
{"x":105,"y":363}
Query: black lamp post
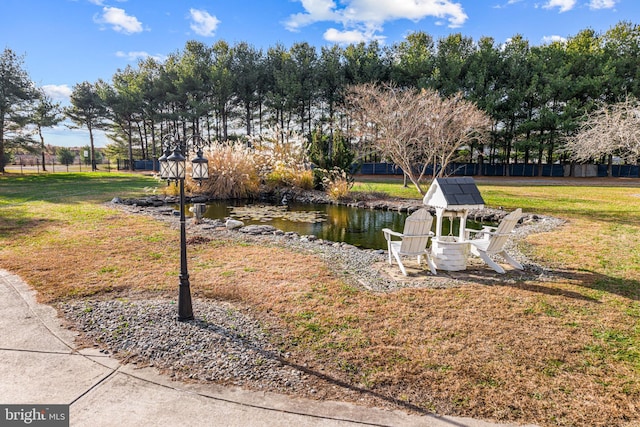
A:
{"x":173,"y":168}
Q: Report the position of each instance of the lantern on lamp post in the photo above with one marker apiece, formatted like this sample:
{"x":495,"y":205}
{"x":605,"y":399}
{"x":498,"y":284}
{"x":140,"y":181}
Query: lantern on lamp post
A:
{"x":162,"y":160}
{"x":173,"y":166}
{"x":199,"y":167}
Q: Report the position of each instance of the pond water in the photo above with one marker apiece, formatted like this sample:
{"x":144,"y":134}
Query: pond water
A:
{"x":358,"y":227}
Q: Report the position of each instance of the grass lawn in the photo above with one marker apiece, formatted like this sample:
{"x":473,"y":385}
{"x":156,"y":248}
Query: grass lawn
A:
{"x":562,"y":350}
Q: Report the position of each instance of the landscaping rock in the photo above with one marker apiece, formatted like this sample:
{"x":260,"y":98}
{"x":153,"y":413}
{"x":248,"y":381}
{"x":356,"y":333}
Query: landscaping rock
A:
{"x":222,"y":344}
{"x":232,"y":224}
{"x":257,"y":229}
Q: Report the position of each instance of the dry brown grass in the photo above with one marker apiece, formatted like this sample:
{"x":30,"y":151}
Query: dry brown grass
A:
{"x":561,"y":351}
{"x":523,"y":352}
{"x":121,"y":253}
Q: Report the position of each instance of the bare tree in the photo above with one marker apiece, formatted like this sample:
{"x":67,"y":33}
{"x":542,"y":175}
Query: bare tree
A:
{"x":611,"y":130}
{"x":415,"y":129}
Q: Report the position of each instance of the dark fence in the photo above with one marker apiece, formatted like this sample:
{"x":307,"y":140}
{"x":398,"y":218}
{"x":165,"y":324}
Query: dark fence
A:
{"x":139,"y":165}
{"x":465,"y":169}
{"x":518,"y":169}
{"x":622,"y":171}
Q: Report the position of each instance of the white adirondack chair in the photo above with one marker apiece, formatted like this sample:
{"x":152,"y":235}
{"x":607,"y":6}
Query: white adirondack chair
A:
{"x":493,"y":241}
{"x":413,"y":239}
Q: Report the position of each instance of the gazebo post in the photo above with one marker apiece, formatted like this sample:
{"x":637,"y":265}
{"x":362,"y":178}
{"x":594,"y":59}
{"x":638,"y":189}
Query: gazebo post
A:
{"x":463,"y":224}
{"x":439,"y":214}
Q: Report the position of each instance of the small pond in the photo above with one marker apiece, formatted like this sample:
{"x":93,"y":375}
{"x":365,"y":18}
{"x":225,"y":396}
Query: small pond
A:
{"x":358,"y":227}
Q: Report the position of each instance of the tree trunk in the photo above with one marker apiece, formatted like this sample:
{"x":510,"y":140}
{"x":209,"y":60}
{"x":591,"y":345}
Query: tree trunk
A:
{"x":93,"y":151}
{"x":131,"y":168}
{"x":225,"y":135}
{"x":310,"y":119}
{"x":540,"y":152}
{"x":142,"y":145}
{"x":247,"y":110}
{"x":2,"y":142}
{"x":44,"y":166}
{"x":260,"y":116}
{"x":509,"y":141}
{"x":153,"y":144}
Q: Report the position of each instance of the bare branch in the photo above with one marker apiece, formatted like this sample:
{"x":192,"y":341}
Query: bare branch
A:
{"x":610,"y":130}
{"x":415,"y":129}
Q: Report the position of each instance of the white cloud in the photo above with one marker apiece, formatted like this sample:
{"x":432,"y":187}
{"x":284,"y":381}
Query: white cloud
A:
{"x":57,"y":92}
{"x":119,"y":20}
{"x":354,"y":15}
{"x":135,"y":55}
{"x":564,"y":5}
{"x":552,"y":39}
{"x":349,"y":36}
{"x":316,"y":11}
{"x":509,"y":3}
{"x":602,"y":4}
{"x":203,"y":23}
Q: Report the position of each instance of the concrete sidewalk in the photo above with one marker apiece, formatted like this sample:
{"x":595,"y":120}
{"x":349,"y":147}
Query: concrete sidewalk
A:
{"x":40,"y":365}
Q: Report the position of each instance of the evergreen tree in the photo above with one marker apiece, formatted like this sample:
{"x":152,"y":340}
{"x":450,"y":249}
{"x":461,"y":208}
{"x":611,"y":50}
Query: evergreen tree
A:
{"x":222,"y":81}
{"x":247,"y":72}
{"x":331,"y":81}
{"x":413,"y":60}
{"x":303,"y":82}
{"x":482,"y":84}
{"x":365,"y":63}
{"x":66,"y":156}
{"x":17,"y":93}
{"x":46,"y":114}
{"x":451,"y":63}
{"x":88,"y":110}
{"x":621,"y":45}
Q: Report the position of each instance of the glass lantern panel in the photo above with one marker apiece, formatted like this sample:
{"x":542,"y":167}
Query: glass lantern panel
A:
{"x":175,"y":170}
{"x":172,"y":171}
{"x":180,"y":170}
{"x":164,"y":173}
{"x":200,"y":170}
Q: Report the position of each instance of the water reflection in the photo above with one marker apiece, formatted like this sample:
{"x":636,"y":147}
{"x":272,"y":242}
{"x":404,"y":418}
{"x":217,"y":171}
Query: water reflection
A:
{"x":358,"y":227}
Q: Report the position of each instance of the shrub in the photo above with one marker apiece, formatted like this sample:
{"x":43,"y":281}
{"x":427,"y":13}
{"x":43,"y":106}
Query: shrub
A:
{"x":337,"y":183}
{"x":282,"y":161}
{"x":304,"y":179}
{"x":329,"y":151}
{"x":170,"y":189}
{"x":232,"y":172}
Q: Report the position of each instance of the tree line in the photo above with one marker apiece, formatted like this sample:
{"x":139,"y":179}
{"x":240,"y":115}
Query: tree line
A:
{"x":536,"y":96}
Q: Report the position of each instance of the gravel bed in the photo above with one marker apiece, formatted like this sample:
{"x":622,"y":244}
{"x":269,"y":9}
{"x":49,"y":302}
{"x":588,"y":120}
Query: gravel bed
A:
{"x":222,"y":344}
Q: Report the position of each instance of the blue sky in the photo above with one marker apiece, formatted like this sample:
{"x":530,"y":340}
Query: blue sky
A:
{"x":65,"y":42}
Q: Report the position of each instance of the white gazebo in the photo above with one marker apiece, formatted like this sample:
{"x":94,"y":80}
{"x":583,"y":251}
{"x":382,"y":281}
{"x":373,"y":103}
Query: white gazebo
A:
{"x":452,"y":198}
